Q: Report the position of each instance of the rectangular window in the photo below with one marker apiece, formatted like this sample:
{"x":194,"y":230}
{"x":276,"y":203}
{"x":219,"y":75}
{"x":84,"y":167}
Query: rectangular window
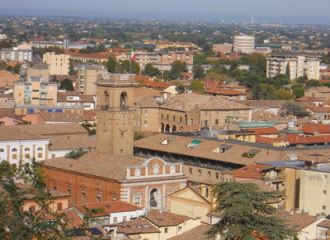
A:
{"x":324,"y":191}
{"x":165,"y":230}
{"x":180,"y":119}
{"x":137,"y":200}
{"x":209,"y":173}
{"x":14,"y":156}
{"x":115,"y":220}
{"x":59,"y":206}
{"x":205,"y":123}
{"x":173,"y":118}
{"x":179,"y":229}
{"x":124,"y":219}
{"x":39,"y":155}
{"x":190,"y":170}
{"x":199,"y":172}
{"x":217,"y":175}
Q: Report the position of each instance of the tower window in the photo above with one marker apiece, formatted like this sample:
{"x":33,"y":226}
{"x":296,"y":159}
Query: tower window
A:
{"x":106,"y":101}
{"x":123,"y":101}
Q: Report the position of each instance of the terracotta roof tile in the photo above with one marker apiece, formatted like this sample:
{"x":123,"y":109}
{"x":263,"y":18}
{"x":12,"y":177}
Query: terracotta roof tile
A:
{"x":107,"y":208}
{"x":197,"y":233}
{"x":164,"y":219}
{"x":137,"y":226}
{"x":316,"y":128}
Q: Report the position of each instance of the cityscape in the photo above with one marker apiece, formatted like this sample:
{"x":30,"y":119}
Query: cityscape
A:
{"x":201,"y":121}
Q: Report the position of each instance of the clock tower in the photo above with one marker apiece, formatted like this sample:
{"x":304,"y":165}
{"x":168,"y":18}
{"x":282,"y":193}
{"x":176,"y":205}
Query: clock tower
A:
{"x":115,"y":114}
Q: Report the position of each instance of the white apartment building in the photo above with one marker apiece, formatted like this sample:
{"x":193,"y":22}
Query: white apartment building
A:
{"x":244,"y":44}
{"x":15,"y":54}
{"x":298,"y":66}
{"x":58,"y":63}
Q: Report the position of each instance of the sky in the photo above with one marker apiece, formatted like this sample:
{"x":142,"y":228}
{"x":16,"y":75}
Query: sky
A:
{"x":286,"y":11}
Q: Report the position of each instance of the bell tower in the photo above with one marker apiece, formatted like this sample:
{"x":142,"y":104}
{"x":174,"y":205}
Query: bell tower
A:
{"x":115,"y":114}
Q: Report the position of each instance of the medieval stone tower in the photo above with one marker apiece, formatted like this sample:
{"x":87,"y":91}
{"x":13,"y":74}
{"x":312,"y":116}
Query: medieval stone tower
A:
{"x":115,"y":114}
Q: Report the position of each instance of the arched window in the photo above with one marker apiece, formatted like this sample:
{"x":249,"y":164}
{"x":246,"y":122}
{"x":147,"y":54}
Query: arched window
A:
{"x":83,"y":196}
{"x":98,"y":198}
{"x":14,"y":150}
{"x":123,"y":101}
{"x":1,"y":150}
{"x":39,"y":148}
{"x":27,"y":149}
{"x":106,"y":101}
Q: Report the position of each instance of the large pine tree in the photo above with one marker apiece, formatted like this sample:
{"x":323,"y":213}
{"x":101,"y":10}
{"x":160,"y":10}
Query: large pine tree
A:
{"x":246,"y":215}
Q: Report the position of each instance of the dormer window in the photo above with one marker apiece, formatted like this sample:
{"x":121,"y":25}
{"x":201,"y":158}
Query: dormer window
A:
{"x":224,"y":148}
{"x":251,"y":153}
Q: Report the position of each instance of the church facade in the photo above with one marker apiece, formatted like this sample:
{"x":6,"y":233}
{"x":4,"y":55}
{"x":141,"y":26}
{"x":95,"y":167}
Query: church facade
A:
{"x":112,"y":172}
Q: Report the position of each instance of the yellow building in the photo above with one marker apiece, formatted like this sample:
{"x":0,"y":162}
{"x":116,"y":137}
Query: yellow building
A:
{"x":33,"y":95}
{"x":58,"y":63}
{"x":38,"y":70}
{"x":189,"y":202}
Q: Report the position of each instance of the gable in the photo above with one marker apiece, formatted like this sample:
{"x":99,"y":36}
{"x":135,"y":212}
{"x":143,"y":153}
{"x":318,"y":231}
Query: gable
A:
{"x":190,"y":195}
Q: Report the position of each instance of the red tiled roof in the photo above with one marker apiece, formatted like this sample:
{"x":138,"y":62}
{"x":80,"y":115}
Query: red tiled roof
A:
{"x":147,"y":82}
{"x":106,"y":208}
{"x":264,"y":131}
{"x":319,"y":109}
{"x":316,"y":128}
{"x":225,"y":92}
{"x":293,"y":139}
{"x":251,"y":171}
{"x":98,"y":55}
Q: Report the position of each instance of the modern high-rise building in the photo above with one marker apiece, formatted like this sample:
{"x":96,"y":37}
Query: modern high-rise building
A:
{"x":244,"y":44}
{"x":294,"y":66}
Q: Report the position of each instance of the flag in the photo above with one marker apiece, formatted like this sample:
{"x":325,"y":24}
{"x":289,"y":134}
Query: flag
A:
{"x":133,"y":56}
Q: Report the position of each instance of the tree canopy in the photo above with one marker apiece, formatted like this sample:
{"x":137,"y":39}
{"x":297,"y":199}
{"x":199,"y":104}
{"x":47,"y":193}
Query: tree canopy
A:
{"x":151,"y":71}
{"x":41,"y":223}
{"x":66,"y":84}
{"x":245,"y":213}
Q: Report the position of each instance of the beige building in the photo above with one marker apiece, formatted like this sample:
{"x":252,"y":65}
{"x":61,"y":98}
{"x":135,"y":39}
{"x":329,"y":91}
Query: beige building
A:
{"x":58,"y":63}
{"x":38,"y":70}
{"x":314,"y":197}
{"x":224,"y":48}
{"x":175,"y":112}
{"x":190,"y":203}
{"x":87,"y":76}
{"x":33,"y":95}
{"x":295,"y":66}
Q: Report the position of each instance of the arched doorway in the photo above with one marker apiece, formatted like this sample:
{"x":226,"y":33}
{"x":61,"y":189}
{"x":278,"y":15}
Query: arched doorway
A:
{"x":173,"y":129}
{"x":154,"y":199}
{"x":167,"y":128}
{"x":123,"y":101}
{"x":162,"y":127}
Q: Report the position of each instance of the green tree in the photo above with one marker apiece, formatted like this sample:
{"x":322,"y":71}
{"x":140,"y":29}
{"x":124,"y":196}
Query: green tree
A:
{"x":177,"y":68}
{"x":72,"y":71}
{"x":198,"y":72}
{"x":67,"y":85}
{"x":151,"y":71}
{"x":295,"y":110}
{"x":180,"y":88}
{"x":196,"y":85}
{"x":112,"y":64}
{"x":127,"y":66}
{"x":298,"y":90}
{"x":41,"y":224}
{"x":245,"y":213}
